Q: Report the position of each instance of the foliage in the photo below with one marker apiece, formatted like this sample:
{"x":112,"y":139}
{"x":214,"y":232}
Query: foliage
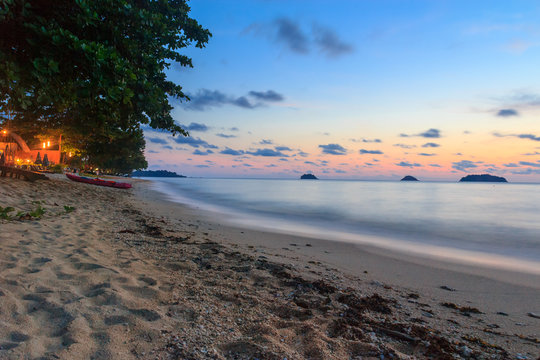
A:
{"x":68,"y":209}
{"x":95,"y":70}
{"x":37,"y":212}
{"x":57,"y":169}
{"x":4,"y":212}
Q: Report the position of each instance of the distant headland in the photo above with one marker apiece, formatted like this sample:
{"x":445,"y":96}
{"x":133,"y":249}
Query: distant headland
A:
{"x":155,"y":173}
{"x":409,"y":178}
{"x":308,"y":177}
{"x":482,"y":178}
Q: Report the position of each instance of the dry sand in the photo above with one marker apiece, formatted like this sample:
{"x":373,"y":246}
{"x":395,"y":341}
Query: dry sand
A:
{"x":127,"y":275}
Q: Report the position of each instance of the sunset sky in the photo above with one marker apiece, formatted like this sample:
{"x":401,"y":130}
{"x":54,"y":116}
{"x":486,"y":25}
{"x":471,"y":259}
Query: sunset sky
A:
{"x":359,"y":90}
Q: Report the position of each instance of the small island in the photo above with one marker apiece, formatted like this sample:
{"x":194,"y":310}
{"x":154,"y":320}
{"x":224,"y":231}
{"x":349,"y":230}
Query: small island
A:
{"x":155,"y":173}
{"x":482,"y":178}
{"x":308,"y":177}
{"x":409,"y":178}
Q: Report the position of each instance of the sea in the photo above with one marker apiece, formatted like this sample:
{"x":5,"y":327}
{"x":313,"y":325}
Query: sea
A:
{"x":485,"y":224}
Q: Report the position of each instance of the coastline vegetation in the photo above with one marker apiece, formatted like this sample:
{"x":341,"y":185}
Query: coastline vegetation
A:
{"x":94,"y":72}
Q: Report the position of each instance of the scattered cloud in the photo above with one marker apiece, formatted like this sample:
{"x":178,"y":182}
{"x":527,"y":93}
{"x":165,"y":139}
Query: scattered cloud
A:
{"x":511,"y":165}
{"x":507,"y":113}
{"x":229,"y":151}
{"x":520,"y":136}
{"x":404,"y":146}
{"x":532,"y":153}
{"x":528,"y":163}
{"x":266,"y":142}
{"x":234,"y":129}
{"x":333,"y":149}
{"x":283,"y":148}
{"x":266,"y":152}
{"x":195,"y":127}
{"x":426,"y":154}
{"x":269,"y":95}
{"x":464,"y":165}
{"x":408,"y":164}
{"x":435,"y":165}
{"x":206,"y":99}
{"x":374,"y":152}
{"x":329,"y":43}
{"x":202,"y":153}
{"x":431,"y":133}
{"x":289,"y":33}
{"x":155,"y":140}
{"x":153,"y":152}
{"x":430,"y":144}
{"x":168,"y":147}
{"x":225,"y":136}
{"x":194,"y":142}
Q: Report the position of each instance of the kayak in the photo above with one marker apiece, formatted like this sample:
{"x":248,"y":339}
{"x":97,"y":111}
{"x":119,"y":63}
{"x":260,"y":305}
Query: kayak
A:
{"x":109,"y":183}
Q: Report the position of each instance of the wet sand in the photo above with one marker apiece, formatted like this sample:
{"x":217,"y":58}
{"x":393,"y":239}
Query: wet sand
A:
{"x":128,"y":275}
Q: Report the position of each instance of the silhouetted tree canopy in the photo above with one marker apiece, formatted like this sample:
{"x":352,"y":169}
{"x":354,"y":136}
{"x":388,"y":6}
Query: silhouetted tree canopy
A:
{"x":94,"y":69}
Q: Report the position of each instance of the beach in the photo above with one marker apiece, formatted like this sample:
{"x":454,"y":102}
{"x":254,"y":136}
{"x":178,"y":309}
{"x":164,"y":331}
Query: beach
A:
{"x":115,"y":274}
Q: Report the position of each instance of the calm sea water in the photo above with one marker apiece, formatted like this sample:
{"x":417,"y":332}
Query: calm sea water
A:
{"x":483,"y":223}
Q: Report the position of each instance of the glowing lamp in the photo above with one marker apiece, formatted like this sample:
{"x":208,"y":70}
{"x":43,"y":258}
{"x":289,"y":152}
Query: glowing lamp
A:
{"x":48,"y":143}
{"x":44,"y":145}
{"x":4,"y":132}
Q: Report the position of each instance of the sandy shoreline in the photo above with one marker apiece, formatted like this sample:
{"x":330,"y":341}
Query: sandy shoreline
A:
{"x":128,"y":275}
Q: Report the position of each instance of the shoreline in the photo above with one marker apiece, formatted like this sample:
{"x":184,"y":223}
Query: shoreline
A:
{"x":126,"y":275}
{"x":406,"y":247}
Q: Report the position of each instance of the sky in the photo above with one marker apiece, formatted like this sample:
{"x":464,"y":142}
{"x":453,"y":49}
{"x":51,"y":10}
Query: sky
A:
{"x":359,"y":89}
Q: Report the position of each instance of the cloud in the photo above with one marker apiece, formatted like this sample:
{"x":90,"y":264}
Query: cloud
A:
{"x":302,"y":154}
{"x":206,"y":99}
{"x":374,"y":152}
{"x":329,"y":43}
{"x":266,"y":142}
{"x":528,"y":163}
{"x":289,"y":33}
{"x":520,"y":136}
{"x":431,"y":133}
{"x":464,"y":165}
{"x":426,"y":154}
{"x":196,"y":127}
{"x":169,"y":147}
{"x":266,"y":152}
{"x":229,"y":151}
{"x":372,"y":140}
{"x":333,"y":149}
{"x":430,"y":144}
{"x":234,"y":129}
{"x":532,"y":153}
{"x":225,"y":136}
{"x":405,"y":146}
{"x":194,"y":142}
{"x":202,"y":153}
{"x":153,"y":152}
{"x":435,"y":165}
{"x":283,"y":148}
{"x":507,"y":113}
{"x":408,"y":164}
{"x":310,"y":163}
{"x":269,"y":95}
{"x":339,"y":171}
{"x":157,"y":140}
{"x":202,"y":166}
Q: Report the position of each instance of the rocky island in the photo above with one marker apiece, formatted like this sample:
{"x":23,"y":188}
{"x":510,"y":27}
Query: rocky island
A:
{"x":409,"y":178}
{"x":308,"y":177}
{"x":482,"y":178}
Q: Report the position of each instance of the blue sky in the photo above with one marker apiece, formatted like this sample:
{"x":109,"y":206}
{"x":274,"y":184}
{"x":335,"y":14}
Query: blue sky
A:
{"x":287,"y":87}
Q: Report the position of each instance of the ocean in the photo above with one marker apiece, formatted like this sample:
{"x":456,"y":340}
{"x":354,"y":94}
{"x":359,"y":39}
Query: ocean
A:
{"x":486,"y":224}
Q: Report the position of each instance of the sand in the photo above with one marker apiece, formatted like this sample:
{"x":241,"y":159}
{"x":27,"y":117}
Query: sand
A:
{"x":128,"y":275}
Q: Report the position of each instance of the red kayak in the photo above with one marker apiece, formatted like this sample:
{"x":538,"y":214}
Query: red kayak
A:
{"x":109,"y":183}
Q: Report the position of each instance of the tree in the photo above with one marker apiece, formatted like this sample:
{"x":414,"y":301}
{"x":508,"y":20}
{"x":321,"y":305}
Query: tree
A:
{"x":95,"y":69}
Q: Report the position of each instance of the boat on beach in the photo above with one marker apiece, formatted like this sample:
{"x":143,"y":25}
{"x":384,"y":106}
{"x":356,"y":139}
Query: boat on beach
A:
{"x":99,"y":182}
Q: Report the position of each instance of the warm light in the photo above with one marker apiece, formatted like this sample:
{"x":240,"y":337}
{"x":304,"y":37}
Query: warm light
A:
{"x":27,"y":160}
{"x":44,"y":145}
{"x":48,"y":143}
{"x":5,"y":132}
{"x":69,"y":154}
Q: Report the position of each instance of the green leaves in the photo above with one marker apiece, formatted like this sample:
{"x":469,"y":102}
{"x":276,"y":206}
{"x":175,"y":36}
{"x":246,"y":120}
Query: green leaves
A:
{"x":88,"y":66}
